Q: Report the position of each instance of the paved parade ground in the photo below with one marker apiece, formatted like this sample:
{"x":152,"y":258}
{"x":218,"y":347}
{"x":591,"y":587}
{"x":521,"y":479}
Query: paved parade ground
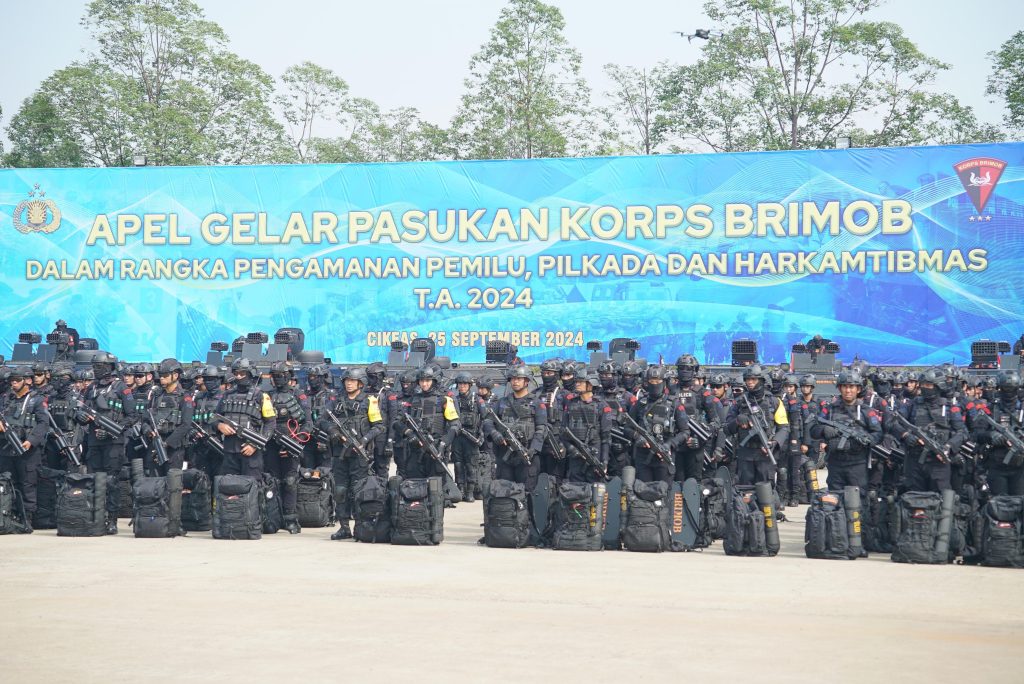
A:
{"x":290,"y":608}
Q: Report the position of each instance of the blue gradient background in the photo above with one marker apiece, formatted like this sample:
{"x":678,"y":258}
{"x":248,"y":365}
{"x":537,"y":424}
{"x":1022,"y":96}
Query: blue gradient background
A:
{"x":914,"y":318}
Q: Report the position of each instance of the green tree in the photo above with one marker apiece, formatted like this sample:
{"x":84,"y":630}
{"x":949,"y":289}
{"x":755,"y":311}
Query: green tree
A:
{"x":525,"y":96}
{"x":162,"y":83}
{"x":1007,"y":78}
{"x":311,"y":95}
{"x":796,"y":74}
{"x":633,"y":105}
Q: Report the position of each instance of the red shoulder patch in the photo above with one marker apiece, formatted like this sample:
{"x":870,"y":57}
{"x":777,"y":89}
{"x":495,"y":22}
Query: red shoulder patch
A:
{"x":126,"y":391}
{"x":873,"y":413}
{"x":824,"y":409}
{"x":707,"y":393}
{"x":570,"y":395}
{"x":46,"y":403}
{"x":302,"y":397}
{"x":607,"y":409}
{"x":954,"y":409}
{"x":392,"y":397}
{"x":188,"y":399}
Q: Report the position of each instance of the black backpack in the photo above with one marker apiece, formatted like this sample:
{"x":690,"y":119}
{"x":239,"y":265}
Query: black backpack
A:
{"x":648,"y":524}
{"x":82,"y":504}
{"x":920,"y":537}
{"x":744,"y":526}
{"x":157,"y":502}
{"x":417,"y":511}
{"x":272,"y":506}
{"x":713,"y":507}
{"x":506,"y":515}
{"x":196,"y":501}
{"x":237,"y":508}
{"x":49,"y":479}
{"x":315,"y":497}
{"x":372,"y":513}
{"x":879,"y":526}
{"x":12,"y":510}
{"x":1003,"y":532}
{"x":578,"y":517}
{"x":826,"y":533}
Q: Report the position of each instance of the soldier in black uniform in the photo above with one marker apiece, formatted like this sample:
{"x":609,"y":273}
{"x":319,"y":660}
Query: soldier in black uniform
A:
{"x":292,"y":420}
{"x":753,"y":458}
{"x":406,"y":390}
{"x":631,"y":372}
{"x":466,"y":447}
{"x":663,"y":415}
{"x":526,"y":415}
{"x":848,"y":457}
{"x":1004,"y":466}
{"x":376,"y":373}
{"x":436,"y":415}
{"x":702,"y":404}
{"x":143,"y":391}
{"x":104,"y":452}
{"x":589,"y":418}
{"x":25,"y":415}
{"x":361,"y":416}
{"x":168,"y":415}
{"x":206,"y":396}
{"x":62,"y":404}
{"x":552,"y":457}
{"x":926,"y":469}
{"x":619,"y":400}
{"x":249,"y":407}
{"x":485,"y":399}
{"x":322,"y":398}
{"x":790,"y":477}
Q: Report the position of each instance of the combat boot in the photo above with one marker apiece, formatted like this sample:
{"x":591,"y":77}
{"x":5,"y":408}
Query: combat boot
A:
{"x":467,"y":495}
{"x":343,"y":532}
{"x":112,"y":525}
{"x":291,"y":523}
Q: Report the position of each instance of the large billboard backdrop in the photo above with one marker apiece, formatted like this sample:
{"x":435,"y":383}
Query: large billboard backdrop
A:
{"x":901,"y":255}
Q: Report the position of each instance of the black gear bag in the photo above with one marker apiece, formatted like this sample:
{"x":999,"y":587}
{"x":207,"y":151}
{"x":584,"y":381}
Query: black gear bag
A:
{"x":506,"y":515}
{"x":417,"y":511}
{"x":648,"y":525}
{"x":372,"y":512}
{"x":314,"y":497}
{"x":82,"y":505}
{"x":12,"y":509}
{"x":196,"y":501}
{"x":578,"y":517}
{"x":237,"y":507}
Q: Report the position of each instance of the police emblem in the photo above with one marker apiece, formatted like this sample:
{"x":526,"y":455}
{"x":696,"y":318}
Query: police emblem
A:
{"x":36,"y":213}
{"x":979,"y":177}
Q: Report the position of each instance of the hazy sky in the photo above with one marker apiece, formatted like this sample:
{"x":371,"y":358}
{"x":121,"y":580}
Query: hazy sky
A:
{"x":415,"y":52}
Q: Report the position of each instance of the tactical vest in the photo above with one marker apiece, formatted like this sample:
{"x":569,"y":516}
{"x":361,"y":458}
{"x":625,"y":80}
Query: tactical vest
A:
{"x":428,"y":410}
{"x":1010,"y":417}
{"x":107,"y":398}
{"x":60,"y":407}
{"x":353,"y":413}
{"x":205,"y":406}
{"x":936,"y":418}
{"x":469,"y":413}
{"x":21,"y":412}
{"x":519,"y":414}
{"x":167,"y":411}
{"x":659,"y":417}
{"x":583,"y":420}
{"x":143,"y":396}
{"x":245,"y":409}
{"x":287,"y":405}
{"x":320,"y":403}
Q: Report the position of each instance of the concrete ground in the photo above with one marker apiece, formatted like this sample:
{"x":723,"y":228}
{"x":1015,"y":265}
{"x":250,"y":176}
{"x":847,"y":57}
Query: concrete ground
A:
{"x":291,"y":608}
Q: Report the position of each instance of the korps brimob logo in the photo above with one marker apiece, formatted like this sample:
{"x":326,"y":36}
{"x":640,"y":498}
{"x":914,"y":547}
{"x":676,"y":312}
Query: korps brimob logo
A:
{"x":979,"y":177}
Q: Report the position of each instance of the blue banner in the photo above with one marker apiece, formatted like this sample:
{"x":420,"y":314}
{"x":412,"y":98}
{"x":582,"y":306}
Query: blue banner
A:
{"x":901,"y":255}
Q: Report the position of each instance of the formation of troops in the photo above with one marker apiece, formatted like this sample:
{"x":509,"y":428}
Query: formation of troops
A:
{"x":883,"y":432}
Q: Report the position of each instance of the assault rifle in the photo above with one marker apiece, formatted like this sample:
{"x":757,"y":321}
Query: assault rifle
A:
{"x":350,"y":439}
{"x":13,"y":443}
{"x":660,"y":449}
{"x":253,"y":437}
{"x":941,"y":452}
{"x":510,"y":437}
{"x":102,"y":421}
{"x":1015,"y":443}
{"x":157,"y":442}
{"x":582,"y":449}
{"x":64,"y":447}
{"x":478,"y":441}
{"x":847,"y":433}
{"x":707,"y":433}
{"x":212,"y":441}
{"x":428,"y":443}
{"x":759,"y":423}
